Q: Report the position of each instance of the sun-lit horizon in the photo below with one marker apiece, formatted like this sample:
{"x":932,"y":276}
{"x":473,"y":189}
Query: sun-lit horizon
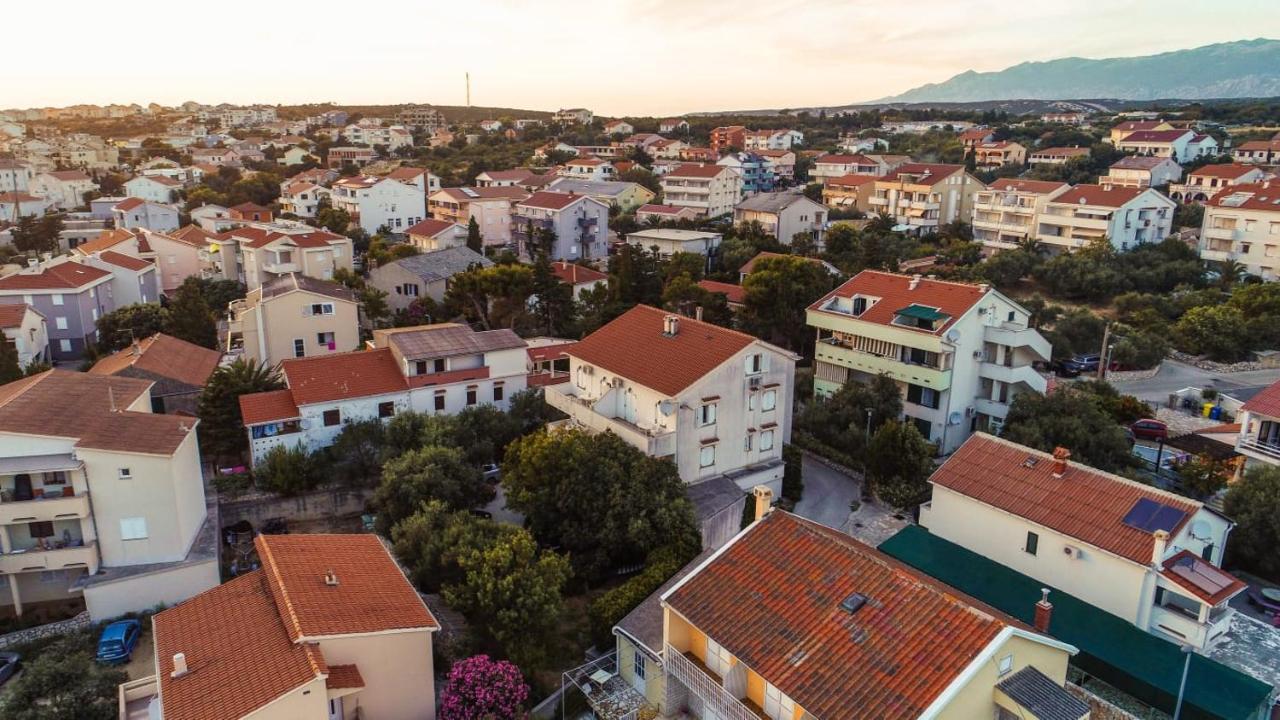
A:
{"x":636,"y":58}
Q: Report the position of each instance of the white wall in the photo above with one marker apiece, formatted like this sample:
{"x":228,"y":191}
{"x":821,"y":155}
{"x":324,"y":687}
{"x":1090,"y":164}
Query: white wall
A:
{"x":168,"y":586}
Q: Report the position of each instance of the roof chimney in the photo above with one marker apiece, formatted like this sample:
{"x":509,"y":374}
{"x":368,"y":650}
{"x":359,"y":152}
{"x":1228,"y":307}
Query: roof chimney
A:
{"x":1060,"y":457}
{"x":764,"y":500}
{"x":697,"y":313}
{"x":331,"y":578}
{"x":983,"y":288}
{"x":1160,"y":544}
{"x":915,"y":280}
{"x":179,"y":665}
{"x":1044,"y":611}
{"x":671,"y":325}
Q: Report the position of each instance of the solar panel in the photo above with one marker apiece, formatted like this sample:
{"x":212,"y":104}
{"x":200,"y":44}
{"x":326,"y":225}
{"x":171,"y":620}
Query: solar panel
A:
{"x":1148,"y":515}
{"x":1141,"y":512}
{"x":1166,"y":518}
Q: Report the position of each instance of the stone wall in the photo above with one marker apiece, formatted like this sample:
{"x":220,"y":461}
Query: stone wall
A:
{"x":257,"y":507}
{"x":1099,"y":709}
{"x":62,"y":627}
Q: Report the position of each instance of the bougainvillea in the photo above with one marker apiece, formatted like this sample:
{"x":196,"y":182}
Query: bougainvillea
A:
{"x":480,"y":688}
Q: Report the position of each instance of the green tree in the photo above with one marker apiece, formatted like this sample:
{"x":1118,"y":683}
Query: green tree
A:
{"x":9,"y":368}
{"x":333,"y":219}
{"x":190,"y":318}
{"x":1071,"y":419}
{"x":474,"y":240}
{"x":430,"y":542}
{"x":221,"y":427}
{"x":1218,"y":331}
{"x":1254,"y":503}
{"x":1201,"y":476}
{"x":37,"y":234}
{"x":355,"y":457}
{"x":288,"y":470}
{"x":219,"y":293}
{"x":493,"y":297}
{"x":1005,"y":269}
{"x":428,"y":473}
{"x":777,"y":293}
{"x":63,"y":682}
{"x":553,"y":307}
{"x":1137,"y":348}
{"x":844,"y":422}
{"x":898,"y":464}
{"x":122,"y":326}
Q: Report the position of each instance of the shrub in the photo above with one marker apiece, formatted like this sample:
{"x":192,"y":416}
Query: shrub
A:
{"x":479,"y":688}
{"x":288,"y":470}
{"x":793,"y":474}
{"x":611,"y":607}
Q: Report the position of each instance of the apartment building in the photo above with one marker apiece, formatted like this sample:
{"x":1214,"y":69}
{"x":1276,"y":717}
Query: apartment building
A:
{"x":1142,"y":172}
{"x":373,"y":134}
{"x":27,"y":330}
{"x":588,"y":168}
{"x":673,"y":125}
{"x":828,"y":167}
{"x":579,"y":224}
{"x":435,"y":369}
{"x":1243,"y":224}
{"x":71,"y":296}
{"x":959,"y":353}
{"x":973,"y":137}
{"x":517,"y":177}
{"x":153,"y":188}
{"x":781,"y":163}
{"x":328,"y":628}
{"x":573,"y":116}
{"x":1207,"y":181}
{"x":727,"y":136}
{"x":15,"y":176}
{"x":1056,"y":155}
{"x":421,"y":178}
{"x":293,"y":316}
{"x":784,"y":139}
{"x":756,"y":172}
{"x":137,"y":213}
{"x":1138,"y":552}
{"x":421,"y":117}
{"x":64,"y":189}
{"x":849,"y":192}
{"x":375,"y":203}
{"x":1004,"y":214}
{"x":264,"y":252}
{"x":133,"y":280}
{"x":784,"y":215}
{"x":992,"y":155}
{"x":625,"y":196}
{"x":711,"y":190}
{"x":177,"y":368}
{"x":1128,"y":217}
{"x":357,"y":156}
{"x":669,"y":241}
{"x":1254,"y":152}
{"x":1122,"y":130}
{"x":924,"y":197}
{"x":1179,"y":145}
{"x":425,"y":275}
{"x":102,"y":503}
{"x":715,"y":401}
{"x":302,"y":199}
{"x":1259,"y":437}
{"x":490,"y":206}
{"x":431,"y":235}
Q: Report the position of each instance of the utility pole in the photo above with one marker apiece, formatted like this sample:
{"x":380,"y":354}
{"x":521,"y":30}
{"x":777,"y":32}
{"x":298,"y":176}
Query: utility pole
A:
{"x":1102,"y":356}
{"x":468,"y":76}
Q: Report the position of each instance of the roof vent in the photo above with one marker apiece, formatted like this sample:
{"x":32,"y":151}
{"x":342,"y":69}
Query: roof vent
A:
{"x":915,"y":281}
{"x":853,"y":603}
{"x":1030,"y":462}
{"x":179,"y":665}
{"x":331,"y":579}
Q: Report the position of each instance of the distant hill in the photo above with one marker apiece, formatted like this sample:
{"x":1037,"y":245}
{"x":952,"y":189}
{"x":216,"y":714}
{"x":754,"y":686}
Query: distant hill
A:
{"x":1245,"y":68}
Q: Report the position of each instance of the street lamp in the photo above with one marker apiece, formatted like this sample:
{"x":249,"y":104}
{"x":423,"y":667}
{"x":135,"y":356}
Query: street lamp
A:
{"x":868,"y":425}
{"x":1182,"y":687}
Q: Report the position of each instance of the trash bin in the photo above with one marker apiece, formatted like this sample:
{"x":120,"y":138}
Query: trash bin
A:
{"x":1208,"y":408}
{"x":1216,"y":413}
{"x":1173,"y":401}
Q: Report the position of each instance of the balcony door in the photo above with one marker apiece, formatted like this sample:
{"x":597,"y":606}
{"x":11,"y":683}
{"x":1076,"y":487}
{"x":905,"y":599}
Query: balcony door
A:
{"x":629,"y":406}
{"x":777,"y":705}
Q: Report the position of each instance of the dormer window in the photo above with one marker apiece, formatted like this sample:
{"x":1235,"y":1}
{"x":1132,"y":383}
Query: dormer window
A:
{"x":919,"y":316}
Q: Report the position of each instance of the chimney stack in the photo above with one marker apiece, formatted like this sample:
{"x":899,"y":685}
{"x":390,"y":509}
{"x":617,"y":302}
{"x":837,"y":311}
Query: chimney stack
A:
{"x":915,"y":281}
{"x":670,"y":325}
{"x":697,"y":313}
{"x":179,"y":665}
{"x":331,"y":579}
{"x":1044,"y":611}
{"x":983,"y":288}
{"x":1060,"y":457}
{"x":764,"y":500}
{"x":1161,"y":543}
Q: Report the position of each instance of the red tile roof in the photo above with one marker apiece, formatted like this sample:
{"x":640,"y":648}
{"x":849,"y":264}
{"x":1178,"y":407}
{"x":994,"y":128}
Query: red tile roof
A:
{"x":1085,"y":503}
{"x":164,"y":356}
{"x":342,"y":677}
{"x":697,"y":171}
{"x":1266,"y":402}
{"x":62,"y":276}
{"x":106,"y":240}
{"x":11,"y":316}
{"x":735,"y":294}
{"x":953,"y":299}
{"x":270,"y":406}
{"x":574,"y":274}
{"x":1154,"y":136}
{"x":1139,"y":125}
{"x":772,"y":600}
{"x":1112,"y":197}
{"x":1250,"y":196}
{"x":406,"y":173}
{"x":68,"y":175}
{"x":836,"y":159}
{"x":1200,"y":578}
{"x":1140,"y":162}
{"x":160,"y":180}
{"x":634,"y":347}
{"x":851,"y":180}
{"x":429,"y":227}
{"x":193,"y":235}
{"x":506,"y":192}
{"x":922,"y":173}
{"x":343,"y":376}
{"x":656,"y":209}
{"x":550,"y":200}
{"x":128,"y":204}
{"x":248,"y":208}
{"x":1038,"y":187}
{"x":1062,"y":151}
{"x":125,"y":261}
{"x":1229,"y":171}
{"x":19,"y":197}
{"x":542,"y":353}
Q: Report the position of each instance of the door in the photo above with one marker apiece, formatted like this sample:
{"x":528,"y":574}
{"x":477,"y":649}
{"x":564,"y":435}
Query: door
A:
{"x":22,"y":487}
{"x":777,"y":705}
{"x":335,"y":709}
{"x":629,"y":406}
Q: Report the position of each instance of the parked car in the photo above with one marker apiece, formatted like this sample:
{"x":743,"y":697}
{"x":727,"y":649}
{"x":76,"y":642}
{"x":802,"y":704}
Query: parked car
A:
{"x":1149,"y":429}
{"x":491,"y":471}
{"x":1083,"y":364}
{"x":9,"y":664}
{"x":116,"y":643}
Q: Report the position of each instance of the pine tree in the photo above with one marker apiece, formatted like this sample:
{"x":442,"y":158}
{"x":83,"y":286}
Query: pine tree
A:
{"x":190,"y":318}
{"x":9,"y":367}
{"x":474,"y":240}
{"x":554,"y":307}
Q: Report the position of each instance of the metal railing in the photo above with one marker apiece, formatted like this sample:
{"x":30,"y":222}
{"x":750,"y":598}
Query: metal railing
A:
{"x":708,"y":689}
{"x":1251,"y":442}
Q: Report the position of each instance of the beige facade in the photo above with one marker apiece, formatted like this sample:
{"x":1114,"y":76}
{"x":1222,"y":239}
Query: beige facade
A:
{"x":712,"y":191}
{"x":924,"y":198}
{"x":1247,"y":235}
{"x":296,"y":323}
{"x":1004,"y":215}
{"x":259,"y":265}
{"x":997,"y":154}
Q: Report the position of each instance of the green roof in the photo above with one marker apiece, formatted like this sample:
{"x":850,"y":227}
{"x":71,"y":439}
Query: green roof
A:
{"x":1111,"y":648}
{"x":921,"y":312}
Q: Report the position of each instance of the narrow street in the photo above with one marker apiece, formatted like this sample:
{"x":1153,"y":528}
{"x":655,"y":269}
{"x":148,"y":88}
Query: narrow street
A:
{"x":828,"y":494}
{"x":1174,"y":376}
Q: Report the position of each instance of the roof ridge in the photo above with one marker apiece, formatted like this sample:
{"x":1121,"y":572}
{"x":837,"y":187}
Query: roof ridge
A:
{"x":269,"y":560}
{"x":926,"y":278}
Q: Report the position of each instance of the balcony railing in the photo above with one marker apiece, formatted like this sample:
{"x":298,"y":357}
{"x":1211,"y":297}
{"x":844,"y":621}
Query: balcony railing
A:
{"x":32,"y":560}
{"x":1022,"y":373}
{"x":708,"y":689}
{"x":653,"y":441}
{"x":1262,"y":447}
{"x":45,"y":509}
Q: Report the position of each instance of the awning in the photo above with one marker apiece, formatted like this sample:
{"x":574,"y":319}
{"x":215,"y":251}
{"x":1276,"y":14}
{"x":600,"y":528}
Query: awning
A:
{"x":38,"y":464}
{"x":921,"y":312}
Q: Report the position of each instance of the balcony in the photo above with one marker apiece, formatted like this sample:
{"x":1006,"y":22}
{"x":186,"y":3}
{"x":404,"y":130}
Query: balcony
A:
{"x":991,"y":408}
{"x":830,"y":350}
{"x":1015,"y":336}
{"x":1216,"y":255}
{"x":1252,"y":444}
{"x":135,"y":698}
{"x":281,"y":268}
{"x":879,"y":201}
{"x":718,"y":702}
{"x":33,"y":560}
{"x":1078,"y":222}
{"x":655,"y":442}
{"x":1020,"y":374}
{"x":68,"y":507}
{"x":1214,"y":233}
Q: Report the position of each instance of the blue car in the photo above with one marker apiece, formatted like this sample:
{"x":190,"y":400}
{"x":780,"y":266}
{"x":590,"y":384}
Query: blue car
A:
{"x":115,"y":645}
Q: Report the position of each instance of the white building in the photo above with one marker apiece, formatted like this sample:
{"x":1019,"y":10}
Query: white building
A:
{"x":137,"y":213}
{"x":64,"y":189}
{"x":371,"y":134}
{"x":434,"y":369}
{"x":15,"y":205}
{"x":1128,"y":217}
{"x":28,"y":330}
{"x":302,"y":199}
{"x":1259,"y":437}
{"x":1142,"y":172}
{"x":1207,"y":181}
{"x":588,"y":168}
{"x":711,"y":190}
{"x":1180,"y":145}
{"x":784,"y":215}
{"x":618,"y":127}
{"x":573,"y":116}
{"x":1004,"y":214}
{"x":1242,"y":223}
{"x":715,"y":401}
{"x":15,"y":176}
{"x":670,"y":241}
{"x":153,"y":188}
{"x":377,"y":202}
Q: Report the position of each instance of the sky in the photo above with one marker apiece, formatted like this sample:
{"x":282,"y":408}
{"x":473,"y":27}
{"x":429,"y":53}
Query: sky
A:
{"x":616,"y":57}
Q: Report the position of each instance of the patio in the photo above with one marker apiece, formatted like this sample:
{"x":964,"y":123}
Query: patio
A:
{"x":608,"y":695}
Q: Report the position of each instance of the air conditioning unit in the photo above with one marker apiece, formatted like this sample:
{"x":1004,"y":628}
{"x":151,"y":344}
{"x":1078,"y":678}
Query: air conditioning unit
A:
{"x":979,"y":355}
{"x":1072,"y":551}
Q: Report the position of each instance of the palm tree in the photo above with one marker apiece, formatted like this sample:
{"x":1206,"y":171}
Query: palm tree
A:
{"x":221,"y":428}
{"x":1030,"y":245}
{"x":1231,"y":273}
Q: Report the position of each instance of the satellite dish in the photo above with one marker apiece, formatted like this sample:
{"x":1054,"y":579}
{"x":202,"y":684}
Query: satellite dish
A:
{"x":955,"y":418}
{"x":1201,"y":530}
{"x":953,"y":335}
{"x":666,"y":407}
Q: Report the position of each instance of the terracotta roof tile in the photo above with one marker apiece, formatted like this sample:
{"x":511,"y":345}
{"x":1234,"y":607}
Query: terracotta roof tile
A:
{"x":343,"y":677}
{"x":1154,"y":136}
{"x":125,"y":261}
{"x":1085,"y":503}
{"x":106,"y":240}
{"x":953,"y":299}
{"x":430,"y":227}
{"x":1229,"y":171}
{"x":61,"y":276}
{"x":68,"y":175}
{"x":851,"y":180}
{"x":1112,"y":197}
{"x":1062,"y":151}
{"x":342,"y":376}
{"x":1266,"y":402}
{"x":270,"y":406}
{"x":1038,"y":187}
{"x":193,"y":235}
{"x":550,"y":200}
{"x":697,"y":171}
{"x":575,"y":274}
{"x":1140,"y":162}
{"x":164,"y":356}
{"x":11,"y":316}
{"x":735,"y":294}
{"x":1250,"y":196}
{"x":922,"y":173}
{"x":657,"y":209}
{"x":128,"y":204}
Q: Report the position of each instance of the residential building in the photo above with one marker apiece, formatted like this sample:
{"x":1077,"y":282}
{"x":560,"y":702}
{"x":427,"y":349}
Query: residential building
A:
{"x":1056,"y":155}
{"x":1125,"y":216}
{"x":490,"y":206}
{"x":711,"y":190}
{"x":1207,"y":181}
{"x":579,"y":223}
{"x":784,"y":215}
{"x":177,"y":255}
{"x":642,"y":141}
{"x":580,"y":278}
{"x":178,"y":370}
{"x":754,"y":170}
{"x":133,"y":280}
{"x":923,"y":197}
{"x":250,"y":212}
{"x":516,"y":177}
{"x":263,"y":252}
{"x":303,"y":199}
{"x":1243,"y":224}
{"x":137,"y":213}
{"x":281,"y":642}
{"x":652,"y":213}
{"x":1141,"y":553}
{"x":697,"y":154}
{"x":370,"y":134}
{"x":420,"y":178}
{"x":1258,"y":437}
{"x":1201,"y":146}
{"x":1254,"y":152}
{"x":849,"y":192}
{"x":435,"y":369}
{"x":618,"y":127}
{"x":376,"y":203}
{"x":573,"y":116}
{"x":1142,"y":172}
{"x":587,"y":168}
{"x":854,"y":144}
{"x":669,"y":241}
{"x":715,"y":401}
{"x":153,"y":188}
{"x":1065,"y":118}
{"x":17,"y":205}
{"x":15,"y":176}
{"x":673,"y":125}
{"x":826,"y":167}
{"x":1004,"y":214}
{"x":425,"y":275}
{"x":212,"y":218}
{"x":293,"y":316}
{"x":27,"y":330}
{"x":1159,"y":143}
{"x":959,"y":353}
{"x":357,"y":156}
{"x":726,"y":137}
{"x":991,"y":155}
{"x":973,"y":137}
{"x":71,"y":296}
{"x":625,"y":196}
{"x":422,"y":117}
{"x":431,"y":235}
{"x":781,"y":163}
{"x":102,"y":502}
{"x":64,"y":189}
{"x":1122,"y":130}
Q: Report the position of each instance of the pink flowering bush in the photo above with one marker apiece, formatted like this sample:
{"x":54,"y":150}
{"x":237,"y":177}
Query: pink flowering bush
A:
{"x":480,"y":688}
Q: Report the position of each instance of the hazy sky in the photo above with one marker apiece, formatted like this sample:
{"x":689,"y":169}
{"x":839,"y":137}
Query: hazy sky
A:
{"x":633,"y":57}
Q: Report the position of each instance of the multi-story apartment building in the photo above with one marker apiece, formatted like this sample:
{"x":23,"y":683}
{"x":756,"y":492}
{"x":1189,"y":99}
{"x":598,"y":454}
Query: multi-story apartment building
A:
{"x":784,"y":215}
{"x":924,"y":197}
{"x":991,"y":155}
{"x":972,"y":137}
{"x":1254,"y":152}
{"x":1122,"y":130}
{"x":358,"y":156}
{"x":1141,"y":172}
{"x":1207,"y":181}
{"x":302,"y":199}
{"x":70,"y":295}
{"x":1259,"y":437}
{"x":782,"y":163}
{"x":579,"y":223}
{"x":435,"y":369}
{"x":422,"y":117}
{"x":153,"y":188}
{"x":1128,"y":217}
{"x":959,"y":353}
{"x":1243,"y":224}
{"x":137,"y":213}
{"x":490,"y":206}
{"x":293,"y":316}
{"x":263,"y":252}
{"x":772,"y":139}
{"x":757,"y":175}
{"x":715,"y":401}
{"x":1004,"y":214}
{"x":625,"y":196}
{"x":827,"y":167}
{"x":849,"y":192}
{"x":282,"y":643}
{"x":375,"y":134}
{"x":728,"y":136}
{"x":102,"y":502}
{"x":1056,"y":155}
{"x":375,"y":203}
{"x":711,"y":190}
{"x":1178,"y":144}
{"x":65,"y":189}
{"x":15,"y":176}
{"x":588,"y":168}
{"x":1138,"y":552}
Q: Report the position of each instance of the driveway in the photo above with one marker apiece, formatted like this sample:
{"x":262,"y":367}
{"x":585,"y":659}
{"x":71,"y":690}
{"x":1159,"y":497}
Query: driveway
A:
{"x":1174,"y":376}
{"x":828,"y":494}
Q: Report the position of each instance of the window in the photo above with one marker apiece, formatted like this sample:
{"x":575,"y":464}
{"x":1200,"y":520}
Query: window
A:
{"x":53,"y":576}
{"x":133,"y":528}
{"x":60,"y":323}
{"x":751,"y":402}
{"x":439,"y":404}
{"x":707,"y":457}
{"x":755,"y":364}
{"x":471,"y":395}
{"x":766,"y":441}
{"x":770,"y":400}
{"x":321,"y":309}
{"x":1006,"y":665}
{"x":420,"y":367}
{"x":57,"y":299}
{"x":497,"y":392}
{"x":299,"y":347}
{"x":777,"y":705}
{"x":438,"y":365}
{"x":718,"y":659}
{"x":1033,"y":543}
{"x":922,"y":396}
{"x":409,"y":289}
{"x":64,"y":345}
{"x":124,"y":474}
{"x":639,"y":665}
{"x":42,"y":529}
{"x":386,"y":409}
{"x":325,"y":339}
{"x":332,"y":417}
{"x":707,"y":414}
{"x":747,"y":444}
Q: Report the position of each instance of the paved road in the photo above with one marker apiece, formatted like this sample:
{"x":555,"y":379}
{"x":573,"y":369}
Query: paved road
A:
{"x":827,"y":494}
{"x":1174,"y":376}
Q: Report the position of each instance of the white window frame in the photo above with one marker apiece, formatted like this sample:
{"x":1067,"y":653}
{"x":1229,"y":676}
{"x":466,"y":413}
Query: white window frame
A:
{"x":766,"y":441}
{"x":58,"y":299}
{"x":718,"y":660}
{"x":133,"y":528}
{"x":1005,"y":665}
{"x":707,"y":414}
{"x":776,"y":703}
{"x":770,"y":400}
{"x":755,"y":363}
{"x":703,"y":455}
{"x":124,"y":473}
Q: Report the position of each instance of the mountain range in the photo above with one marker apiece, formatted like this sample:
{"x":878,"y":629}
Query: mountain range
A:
{"x":1240,"y":69}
